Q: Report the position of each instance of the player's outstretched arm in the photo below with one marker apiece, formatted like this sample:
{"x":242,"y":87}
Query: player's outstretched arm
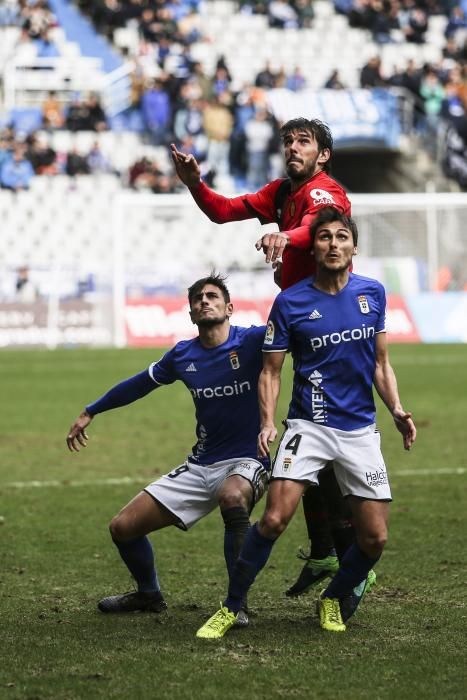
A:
{"x":268,"y":393}
{"x":386,"y":386}
{"x":77,"y":436}
{"x":186,"y":167}
{"x":121,"y":394}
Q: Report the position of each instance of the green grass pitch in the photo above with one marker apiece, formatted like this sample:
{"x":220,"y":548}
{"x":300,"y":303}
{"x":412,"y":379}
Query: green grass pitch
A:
{"x":56,"y":558}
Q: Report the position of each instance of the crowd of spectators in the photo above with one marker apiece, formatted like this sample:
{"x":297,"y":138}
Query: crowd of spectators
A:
{"x":283,"y":14}
{"x":230,"y":131}
{"x":24,"y":157}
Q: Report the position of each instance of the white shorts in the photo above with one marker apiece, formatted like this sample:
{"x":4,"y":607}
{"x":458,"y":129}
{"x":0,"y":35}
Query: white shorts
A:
{"x":306,"y":448}
{"x":190,"y":491}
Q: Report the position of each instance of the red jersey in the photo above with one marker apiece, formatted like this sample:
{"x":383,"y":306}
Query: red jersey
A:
{"x":298,"y":211}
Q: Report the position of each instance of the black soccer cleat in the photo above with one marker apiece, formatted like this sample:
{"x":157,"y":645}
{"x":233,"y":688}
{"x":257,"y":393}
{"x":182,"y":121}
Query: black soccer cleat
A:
{"x":133,"y":602}
{"x":314,"y":571}
{"x":349,"y":603}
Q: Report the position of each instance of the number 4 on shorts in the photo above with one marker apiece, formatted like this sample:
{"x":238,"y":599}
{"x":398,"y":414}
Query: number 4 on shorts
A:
{"x":294,"y":443}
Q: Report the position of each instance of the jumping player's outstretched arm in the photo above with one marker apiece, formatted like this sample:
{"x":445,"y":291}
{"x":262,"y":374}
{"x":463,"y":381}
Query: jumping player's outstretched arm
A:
{"x":386,"y":385}
{"x":218,"y":208}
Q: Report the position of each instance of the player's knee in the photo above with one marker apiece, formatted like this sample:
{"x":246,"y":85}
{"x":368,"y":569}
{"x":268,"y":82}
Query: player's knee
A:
{"x":374,"y":542}
{"x":273,"y":523}
{"x":233,"y":498}
{"x":118,"y":529}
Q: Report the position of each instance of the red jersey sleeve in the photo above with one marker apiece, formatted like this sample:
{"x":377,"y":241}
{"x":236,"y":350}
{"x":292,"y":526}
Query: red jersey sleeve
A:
{"x":218,"y":208}
{"x":335,"y":196}
{"x":222,"y":209}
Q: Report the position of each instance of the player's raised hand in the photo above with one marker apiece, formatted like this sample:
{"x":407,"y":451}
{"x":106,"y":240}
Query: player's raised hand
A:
{"x":406,"y":427}
{"x":77,"y":436}
{"x":266,"y":437}
{"x":186,"y":166}
{"x":272,"y":245}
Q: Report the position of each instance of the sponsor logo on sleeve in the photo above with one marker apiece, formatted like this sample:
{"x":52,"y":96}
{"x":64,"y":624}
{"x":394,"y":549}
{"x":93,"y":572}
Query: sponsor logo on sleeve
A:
{"x":321,"y":197}
{"x":269,"y":336}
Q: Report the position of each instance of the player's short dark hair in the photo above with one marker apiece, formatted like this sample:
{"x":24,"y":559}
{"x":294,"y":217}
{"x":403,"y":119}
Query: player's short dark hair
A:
{"x":216,"y":280}
{"x":328,"y":215}
{"x":317,"y":128}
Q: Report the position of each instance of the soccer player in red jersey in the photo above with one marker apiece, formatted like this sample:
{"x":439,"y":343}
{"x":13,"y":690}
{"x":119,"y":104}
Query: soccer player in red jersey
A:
{"x":292,"y":203}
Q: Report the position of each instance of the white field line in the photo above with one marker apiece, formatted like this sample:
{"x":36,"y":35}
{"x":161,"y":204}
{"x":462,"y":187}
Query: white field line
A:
{"x":124,"y":480}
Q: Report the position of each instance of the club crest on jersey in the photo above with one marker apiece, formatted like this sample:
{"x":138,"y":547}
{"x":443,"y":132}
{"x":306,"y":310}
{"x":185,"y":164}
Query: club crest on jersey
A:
{"x":287,"y":464}
{"x":321,"y":197}
{"x":363,"y":304}
{"x":292,"y":208}
{"x":269,"y":336}
{"x":234,"y":361}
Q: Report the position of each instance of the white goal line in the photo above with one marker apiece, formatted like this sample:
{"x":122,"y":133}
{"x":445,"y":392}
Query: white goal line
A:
{"x":124,"y":480}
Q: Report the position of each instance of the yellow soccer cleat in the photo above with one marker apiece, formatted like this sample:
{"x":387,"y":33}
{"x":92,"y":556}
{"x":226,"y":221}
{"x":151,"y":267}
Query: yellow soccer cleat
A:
{"x":330,"y":617}
{"x":217,"y":625}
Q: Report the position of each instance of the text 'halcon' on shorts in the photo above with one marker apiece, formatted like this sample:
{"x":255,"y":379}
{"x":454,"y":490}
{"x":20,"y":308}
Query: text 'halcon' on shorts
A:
{"x":190,"y":491}
{"x":306,"y":448}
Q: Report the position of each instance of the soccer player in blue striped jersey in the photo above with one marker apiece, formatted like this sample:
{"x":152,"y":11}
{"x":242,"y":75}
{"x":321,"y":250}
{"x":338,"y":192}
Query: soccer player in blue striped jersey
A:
{"x":334,"y":325}
{"x":220,"y":368}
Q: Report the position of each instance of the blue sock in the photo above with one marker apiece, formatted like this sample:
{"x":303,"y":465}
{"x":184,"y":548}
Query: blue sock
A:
{"x":237,"y":524}
{"x":353,"y":569}
{"x":254,"y":555}
{"x":139,"y":558}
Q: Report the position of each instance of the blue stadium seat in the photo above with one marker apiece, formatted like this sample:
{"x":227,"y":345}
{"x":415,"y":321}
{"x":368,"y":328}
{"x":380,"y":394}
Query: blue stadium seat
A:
{"x":26,"y":119}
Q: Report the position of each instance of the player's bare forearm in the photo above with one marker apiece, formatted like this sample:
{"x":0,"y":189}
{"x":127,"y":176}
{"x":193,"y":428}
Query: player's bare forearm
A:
{"x":386,"y":385}
{"x":268,"y":394}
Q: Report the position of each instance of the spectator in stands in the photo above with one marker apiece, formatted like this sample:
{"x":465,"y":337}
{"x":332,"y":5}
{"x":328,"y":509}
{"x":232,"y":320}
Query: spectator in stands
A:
{"x":52,"y":112}
{"x":41,"y":156}
{"x":305,"y":13}
{"x":221,"y":80}
{"x":282,"y":14}
{"x":414,"y":23}
{"x":451,"y":50}
{"x":97,"y":161}
{"x":155,"y":105}
{"x":203,"y":82}
{"x":259,"y":133}
{"x":5,"y":147}
{"x":146,"y":175}
{"x":384,"y":20}
{"x":266,"y":78}
{"x":45,"y":47}
{"x":26,"y":291}
{"x":218,"y":126}
{"x":76,"y":164}
{"x":371,"y":75}
{"x":188,"y":123}
{"x":296,"y":81}
{"x":96,"y":120}
{"x":457,"y":21}
{"x":77,"y":115}
{"x":432,"y":93}
{"x":334,"y":82}
{"x":9,"y":13}
{"x":16,"y":172}
{"x":37,"y":17}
